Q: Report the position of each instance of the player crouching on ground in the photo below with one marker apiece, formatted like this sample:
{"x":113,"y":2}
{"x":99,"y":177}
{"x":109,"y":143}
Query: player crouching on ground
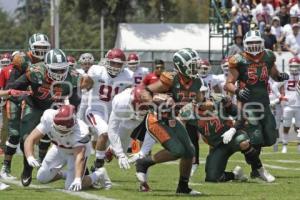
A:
{"x":71,"y":147}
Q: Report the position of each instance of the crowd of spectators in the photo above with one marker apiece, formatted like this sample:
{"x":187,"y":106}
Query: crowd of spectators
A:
{"x":277,"y":20}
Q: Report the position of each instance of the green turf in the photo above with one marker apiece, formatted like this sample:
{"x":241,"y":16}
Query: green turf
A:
{"x":163,"y":180}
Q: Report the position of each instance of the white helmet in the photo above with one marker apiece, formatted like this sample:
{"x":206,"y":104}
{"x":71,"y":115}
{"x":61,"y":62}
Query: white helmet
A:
{"x":39,"y":45}
{"x":253,"y":42}
{"x":57,"y":65}
{"x":86,"y":58}
{"x":204,"y":67}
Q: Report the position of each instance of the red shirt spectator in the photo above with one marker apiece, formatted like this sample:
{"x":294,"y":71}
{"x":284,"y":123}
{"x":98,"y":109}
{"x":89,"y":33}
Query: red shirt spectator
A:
{"x":154,"y":76}
{"x":4,"y":75}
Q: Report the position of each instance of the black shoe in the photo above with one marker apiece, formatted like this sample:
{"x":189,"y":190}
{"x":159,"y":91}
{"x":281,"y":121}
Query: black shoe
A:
{"x":254,"y":174}
{"x":187,"y":191}
{"x":26,"y":177}
{"x":98,"y":163}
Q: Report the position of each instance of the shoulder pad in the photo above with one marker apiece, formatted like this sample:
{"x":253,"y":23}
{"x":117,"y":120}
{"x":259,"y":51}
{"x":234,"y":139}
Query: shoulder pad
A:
{"x":167,"y":78}
{"x":271,"y":55}
{"x":36,"y":73}
{"x":233,"y":60}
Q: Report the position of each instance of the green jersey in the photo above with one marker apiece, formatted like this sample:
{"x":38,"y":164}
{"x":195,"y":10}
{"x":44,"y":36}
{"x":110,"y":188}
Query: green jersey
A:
{"x":254,"y":73}
{"x":45,"y":90}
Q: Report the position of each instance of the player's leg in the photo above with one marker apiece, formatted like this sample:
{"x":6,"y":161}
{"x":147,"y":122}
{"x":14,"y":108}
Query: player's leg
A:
{"x":277,"y":112}
{"x":4,"y":129}
{"x":297,"y":126}
{"x":13,"y":112}
{"x":288,"y":115}
{"x":30,"y":119}
{"x":99,"y":127}
{"x":52,"y":165}
{"x":269,"y":131}
{"x":194,"y":137}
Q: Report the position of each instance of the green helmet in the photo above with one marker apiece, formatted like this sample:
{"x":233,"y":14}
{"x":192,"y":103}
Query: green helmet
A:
{"x":57,"y":65}
{"x":39,"y":45}
{"x":185,"y":61}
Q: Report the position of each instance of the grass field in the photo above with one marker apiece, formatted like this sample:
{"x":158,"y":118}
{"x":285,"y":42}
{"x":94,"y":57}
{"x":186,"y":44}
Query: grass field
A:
{"x":163,"y":181}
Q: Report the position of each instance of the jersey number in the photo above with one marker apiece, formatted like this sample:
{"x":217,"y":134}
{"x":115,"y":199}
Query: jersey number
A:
{"x":106,"y":92}
{"x":252,"y":75}
{"x":138,"y":80}
{"x":45,"y":93}
{"x":291,"y":85}
{"x":216,"y":123}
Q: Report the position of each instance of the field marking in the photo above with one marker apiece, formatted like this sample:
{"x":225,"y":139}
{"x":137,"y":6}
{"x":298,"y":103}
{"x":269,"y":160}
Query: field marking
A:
{"x":284,"y":161}
{"x":81,"y":194}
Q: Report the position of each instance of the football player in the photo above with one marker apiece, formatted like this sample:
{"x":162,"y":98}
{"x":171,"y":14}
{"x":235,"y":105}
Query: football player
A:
{"x":291,"y":102}
{"x":71,"y":61}
{"x":5,"y":60}
{"x":252,"y":69}
{"x":71,"y":140}
{"x":159,"y":67}
{"x":106,"y":81}
{"x":38,"y":47}
{"x":51,"y":82}
{"x":133,"y":64}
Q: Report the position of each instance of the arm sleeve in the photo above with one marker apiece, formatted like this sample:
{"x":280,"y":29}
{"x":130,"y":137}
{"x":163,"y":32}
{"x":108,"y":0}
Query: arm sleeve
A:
{"x":147,"y":144}
{"x":113,"y":134}
{"x":75,"y":99}
{"x":44,"y":126}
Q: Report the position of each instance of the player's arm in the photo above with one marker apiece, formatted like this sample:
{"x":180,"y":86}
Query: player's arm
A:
{"x":21,"y":83}
{"x":113,"y":134}
{"x":231,"y":80}
{"x":75,"y":99}
{"x":277,"y":76}
{"x":79,"y":154}
{"x":32,"y":139}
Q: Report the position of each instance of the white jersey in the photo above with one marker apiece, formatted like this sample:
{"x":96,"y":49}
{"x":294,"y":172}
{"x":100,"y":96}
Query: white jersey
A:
{"x":122,"y":122}
{"x":105,"y":87}
{"x":79,"y":136}
{"x":80,"y":71}
{"x":290,"y":91}
{"x":274,"y":89}
{"x":212,"y":81}
{"x":221,"y":82}
{"x":139,"y":74}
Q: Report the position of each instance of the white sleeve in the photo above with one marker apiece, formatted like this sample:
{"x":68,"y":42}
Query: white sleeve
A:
{"x":147,"y":144}
{"x":45,"y":124}
{"x":83,"y":105}
{"x":114,"y":134}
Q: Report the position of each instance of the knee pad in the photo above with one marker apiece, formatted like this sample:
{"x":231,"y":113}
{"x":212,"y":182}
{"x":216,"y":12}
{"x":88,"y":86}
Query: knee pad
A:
{"x":11,"y":145}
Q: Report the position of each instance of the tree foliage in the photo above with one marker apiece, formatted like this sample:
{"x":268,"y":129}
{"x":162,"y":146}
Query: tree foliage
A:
{"x":80,"y":19}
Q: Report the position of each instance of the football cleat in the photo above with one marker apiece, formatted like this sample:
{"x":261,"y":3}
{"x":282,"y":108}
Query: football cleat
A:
{"x":5,"y":173}
{"x":104,"y":180}
{"x":3,"y":186}
{"x":263,"y":174}
{"x":144,"y":187}
{"x":187,"y":191}
{"x":284,"y":148}
{"x":239,"y":174}
{"x":194,"y":169}
{"x":26,"y":177}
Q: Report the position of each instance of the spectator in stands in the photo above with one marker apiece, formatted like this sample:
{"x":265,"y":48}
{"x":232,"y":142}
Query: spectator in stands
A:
{"x":263,"y":14}
{"x":292,"y":42}
{"x":295,"y":9}
{"x":277,"y":30}
{"x":237,"y":47}
{"x":243,"y":21}
{"x":270,"y":39}
{"x":288,"y":27}
{"x":283,"y":15}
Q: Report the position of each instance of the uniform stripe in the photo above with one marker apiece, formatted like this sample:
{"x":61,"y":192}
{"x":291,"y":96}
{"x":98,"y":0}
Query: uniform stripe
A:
{"x":93,"y":118}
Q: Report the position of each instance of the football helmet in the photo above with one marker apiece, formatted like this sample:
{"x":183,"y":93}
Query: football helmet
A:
{"x":185,"y":61}
{"x":57,"y":65}
{"x":65,"y":120}
{"x":225,"y":66}
{"x":86,"y":60}
{"x":253,"y":42}
{"x":71,"y":61}
{"x":294,"y":65}
{"x":39,"y":45}
{"x":133,"y":61}
{"x":138,"y":101}
{"x":114,"y":61}
{"x":5,"y":59}
{"x":204,"y":67}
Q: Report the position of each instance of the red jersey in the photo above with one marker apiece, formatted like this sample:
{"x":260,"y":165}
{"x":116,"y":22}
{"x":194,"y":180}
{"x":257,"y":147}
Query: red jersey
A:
{"x":4,"y":75}
{"x":150,"y":78}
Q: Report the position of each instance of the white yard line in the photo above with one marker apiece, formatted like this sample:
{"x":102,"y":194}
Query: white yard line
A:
{"x":83,"y":195}
{"x":284,"y":161}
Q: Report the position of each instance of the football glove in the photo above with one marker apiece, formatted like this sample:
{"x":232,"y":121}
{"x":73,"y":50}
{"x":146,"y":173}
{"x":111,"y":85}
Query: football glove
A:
{"x":242,"y":94}
{"x":283,"y":77}
{"x":33,"y":162}
{"x":76,"y":185}
{"x":227,"y":136}
{"x":123,"y":162}
{"x":134,"y":157}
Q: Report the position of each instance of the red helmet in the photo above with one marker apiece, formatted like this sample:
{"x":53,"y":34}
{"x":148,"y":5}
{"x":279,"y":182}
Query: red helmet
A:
{"x":204,"y":67}
{"x":139,"y":103}
{"x":224,"y":65}
{"x":71,"y":60}
{"x":294,"y":65}
{"x":65,"y":119}
{"x":5,"y":59}
{"x":132,"y":61}
{"x":115,"y":59}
